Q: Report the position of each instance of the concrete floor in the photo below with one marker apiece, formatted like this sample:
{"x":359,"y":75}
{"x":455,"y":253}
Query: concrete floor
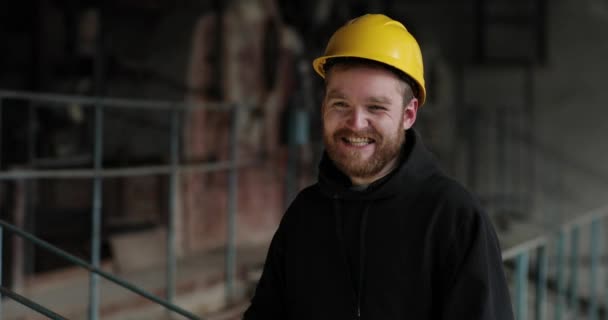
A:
{"x":200,"y":289}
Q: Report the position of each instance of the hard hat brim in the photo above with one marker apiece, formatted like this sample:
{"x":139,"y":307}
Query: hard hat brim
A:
{"x":319,"y":63}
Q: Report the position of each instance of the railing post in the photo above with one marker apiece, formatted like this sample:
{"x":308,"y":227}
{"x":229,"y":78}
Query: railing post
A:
{"x":84,"y":264}
{"x":521,"y":286}
{"x":541,"y":282}
{"x":232,"y":206}
{"x":561,"y":281}
{"x":31,"y":133}
{"x":593,"y":275}
{"x":573,"y":294}
{"x":173,"y":181}
{"x":96,"y":218}
{"x":17,"y":260}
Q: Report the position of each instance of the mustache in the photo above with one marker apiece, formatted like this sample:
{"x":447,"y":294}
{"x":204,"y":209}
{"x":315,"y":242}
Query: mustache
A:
{"x":368,"y":132}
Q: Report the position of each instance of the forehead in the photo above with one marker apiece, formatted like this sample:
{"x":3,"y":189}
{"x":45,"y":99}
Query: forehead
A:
{"x":366,"y":82}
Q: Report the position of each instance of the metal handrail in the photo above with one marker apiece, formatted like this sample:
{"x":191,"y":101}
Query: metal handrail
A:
{"x":521,"y":254}
{"x":95,"y":270}
{"x":541,"y":240}
{"x":31,"y":304}
{"x":91,"y":101}
{"x":16,"y":174}
{"x":525,"y":246}
{"x":172,"y":170}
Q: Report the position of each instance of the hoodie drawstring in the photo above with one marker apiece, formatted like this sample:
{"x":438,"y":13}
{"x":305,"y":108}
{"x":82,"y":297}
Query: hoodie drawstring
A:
{"x":362,"y":231}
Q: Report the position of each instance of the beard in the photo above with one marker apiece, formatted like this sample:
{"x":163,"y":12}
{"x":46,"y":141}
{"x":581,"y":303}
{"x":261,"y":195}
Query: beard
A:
{"x":352,"y":163}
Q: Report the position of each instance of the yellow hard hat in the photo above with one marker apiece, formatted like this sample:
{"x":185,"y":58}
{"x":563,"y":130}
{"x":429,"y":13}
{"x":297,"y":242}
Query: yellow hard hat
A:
{"x":379,"y":38}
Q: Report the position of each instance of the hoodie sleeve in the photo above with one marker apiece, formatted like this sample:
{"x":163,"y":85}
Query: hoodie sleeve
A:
{"x":268,"y":302}
{"x":473,"y":284}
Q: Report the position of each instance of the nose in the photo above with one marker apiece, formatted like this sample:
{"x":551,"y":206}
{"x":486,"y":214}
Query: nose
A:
{"x":356,"y":119}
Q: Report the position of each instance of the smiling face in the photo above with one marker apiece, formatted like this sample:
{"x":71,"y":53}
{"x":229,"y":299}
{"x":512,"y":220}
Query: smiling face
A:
{"x":364,"y":119}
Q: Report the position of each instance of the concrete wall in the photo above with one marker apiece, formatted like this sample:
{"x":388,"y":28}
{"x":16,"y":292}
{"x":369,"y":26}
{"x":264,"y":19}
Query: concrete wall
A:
{"x":569,"y":174}
{"x":572,"y":109}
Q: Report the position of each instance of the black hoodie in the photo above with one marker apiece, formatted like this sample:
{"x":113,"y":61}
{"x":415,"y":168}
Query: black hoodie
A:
{"x":412,"y":245}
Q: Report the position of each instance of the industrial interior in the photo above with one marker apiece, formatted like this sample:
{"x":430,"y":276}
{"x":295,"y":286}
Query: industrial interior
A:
{"x":160,"y":142}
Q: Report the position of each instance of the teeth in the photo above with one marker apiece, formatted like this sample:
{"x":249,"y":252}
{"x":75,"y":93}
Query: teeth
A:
{"x":359,"y":141}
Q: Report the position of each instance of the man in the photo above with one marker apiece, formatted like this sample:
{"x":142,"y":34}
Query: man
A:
{"x":384,"y":234}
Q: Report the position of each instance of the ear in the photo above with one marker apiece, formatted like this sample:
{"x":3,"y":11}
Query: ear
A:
{"x":409,"y":113}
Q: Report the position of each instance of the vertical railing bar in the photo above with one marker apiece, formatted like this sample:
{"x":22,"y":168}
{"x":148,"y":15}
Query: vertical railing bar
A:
{"x":232,"y":206}
{"x":96,"y":219}
{"x":593,"y":275}
{"x":86,"y":265}
{"x":521,"y":286}
{"x":573,"y":294}
{"x":541,"y":282}
{"x":20,"y":196}
{"x":29,"y":189}
{"x":99,"y":81}
{"x":173,"y":180}
{"x":561,"y":281}
{"x":31,"y":196}
{"x":31,"y":134}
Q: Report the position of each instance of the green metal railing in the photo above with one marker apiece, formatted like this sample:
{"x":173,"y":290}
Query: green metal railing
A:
{"x":75,"y":260}
{"x":98,"y":173}
{"x":567,"y":297}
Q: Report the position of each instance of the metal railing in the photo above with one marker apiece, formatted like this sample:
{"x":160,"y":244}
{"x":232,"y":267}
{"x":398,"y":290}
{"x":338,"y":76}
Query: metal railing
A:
{"x":30,"y":304}
{"x":566,"y":290}
{"x":173,"y":170}
{"x":73,"y":259}
{"x":520,"y":255}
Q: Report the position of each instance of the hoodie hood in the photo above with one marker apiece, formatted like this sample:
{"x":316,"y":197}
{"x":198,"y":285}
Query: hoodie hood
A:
{"x":416,"y":165}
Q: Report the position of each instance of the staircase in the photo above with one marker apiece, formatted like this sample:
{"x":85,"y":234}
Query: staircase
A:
{"x":136,"y":294}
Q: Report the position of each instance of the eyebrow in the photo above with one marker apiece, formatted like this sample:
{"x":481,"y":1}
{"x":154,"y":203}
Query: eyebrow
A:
{"x":380,"y":99}
{"x":336,"y":94}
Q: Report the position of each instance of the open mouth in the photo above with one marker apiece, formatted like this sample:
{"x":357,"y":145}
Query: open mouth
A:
{"x":358,"y":141}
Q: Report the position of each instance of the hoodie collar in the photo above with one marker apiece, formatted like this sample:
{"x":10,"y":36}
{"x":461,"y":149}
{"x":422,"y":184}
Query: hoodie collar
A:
{"x":416,"y":164}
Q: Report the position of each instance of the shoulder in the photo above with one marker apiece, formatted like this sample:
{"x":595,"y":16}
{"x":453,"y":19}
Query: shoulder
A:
{"x":453,"y":207}
{"x":458,"y":222}
{"x":447,"y":193}
{"x":306,"y":195}
{"x":305,"y":201}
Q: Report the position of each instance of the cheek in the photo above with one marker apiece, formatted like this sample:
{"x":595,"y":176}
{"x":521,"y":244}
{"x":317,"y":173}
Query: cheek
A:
{"x":331,"y":120}
{"x":390,"y":128}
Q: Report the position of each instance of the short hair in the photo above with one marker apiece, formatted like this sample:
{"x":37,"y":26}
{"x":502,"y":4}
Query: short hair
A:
{"x":349,"y":62}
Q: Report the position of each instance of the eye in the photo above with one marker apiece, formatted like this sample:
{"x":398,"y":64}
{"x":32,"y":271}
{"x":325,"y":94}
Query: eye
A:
{"x":339,"y":104}
{"x":376,"y":108}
